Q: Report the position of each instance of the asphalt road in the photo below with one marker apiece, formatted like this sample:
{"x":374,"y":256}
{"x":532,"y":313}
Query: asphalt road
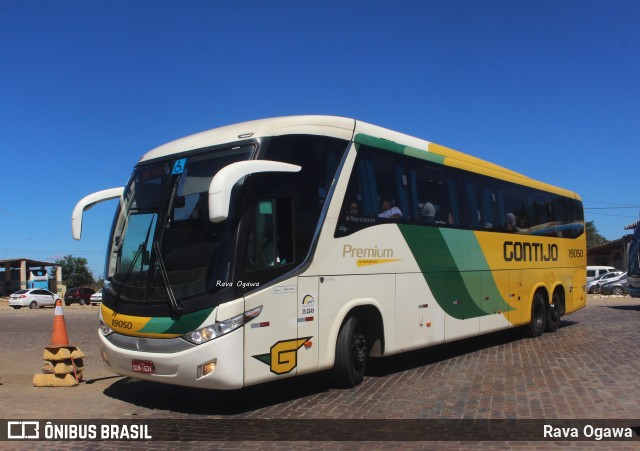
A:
{"x":588,"y":370}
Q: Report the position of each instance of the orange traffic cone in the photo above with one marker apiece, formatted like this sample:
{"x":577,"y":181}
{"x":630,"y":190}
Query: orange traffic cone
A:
{"x":59,"y":336}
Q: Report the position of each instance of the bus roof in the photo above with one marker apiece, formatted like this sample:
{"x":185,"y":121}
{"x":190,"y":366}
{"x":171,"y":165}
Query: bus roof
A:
{"x":338,"y":127}
{"x":348,"y":129}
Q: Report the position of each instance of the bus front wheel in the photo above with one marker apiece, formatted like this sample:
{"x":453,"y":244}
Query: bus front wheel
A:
{"x":538,"y":316}
{"x":352,"y":353}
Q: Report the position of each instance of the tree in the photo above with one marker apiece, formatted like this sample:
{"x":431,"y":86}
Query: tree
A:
{"x":593,"y":236}
{"x":75,"y":272}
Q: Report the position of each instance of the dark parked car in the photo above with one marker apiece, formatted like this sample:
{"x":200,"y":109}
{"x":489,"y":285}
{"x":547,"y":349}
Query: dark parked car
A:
{"x":618,"y":287}
{"x":80,"y":295}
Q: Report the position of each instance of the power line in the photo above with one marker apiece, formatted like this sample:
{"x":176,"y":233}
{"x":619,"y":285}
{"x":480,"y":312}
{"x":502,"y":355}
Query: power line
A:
{"x":610,"y":208}
{"x":607,"y":203}
{"x":615,"y":216}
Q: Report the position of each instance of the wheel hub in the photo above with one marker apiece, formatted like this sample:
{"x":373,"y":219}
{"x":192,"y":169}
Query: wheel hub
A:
{"x":359,"y":350}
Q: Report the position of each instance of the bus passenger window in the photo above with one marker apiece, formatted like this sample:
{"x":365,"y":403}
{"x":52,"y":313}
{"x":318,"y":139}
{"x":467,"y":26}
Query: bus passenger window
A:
{"x":427,"y":212}
{"x":443,"y":216}
{"x":388,"y":210}
{"x":352,"y":213}
{"x":270,"y":243}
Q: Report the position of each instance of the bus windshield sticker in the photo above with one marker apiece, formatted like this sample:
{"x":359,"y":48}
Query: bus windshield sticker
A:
{"x":178,"y":167}
{"x":281,"y":290}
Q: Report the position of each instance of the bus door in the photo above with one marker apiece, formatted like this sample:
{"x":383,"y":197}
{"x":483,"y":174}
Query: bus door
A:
{"x":271,"y":339}
{"x":283,"y":341}
{"x":308,"y":318}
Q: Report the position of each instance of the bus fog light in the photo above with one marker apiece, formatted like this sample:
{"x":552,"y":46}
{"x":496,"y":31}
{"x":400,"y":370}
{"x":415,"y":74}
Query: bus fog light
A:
{"x":106,"y":330}
{"x":207,"y":368}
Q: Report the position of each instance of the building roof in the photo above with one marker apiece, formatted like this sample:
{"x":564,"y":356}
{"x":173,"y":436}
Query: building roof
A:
{"x":611,"y":245}
{"x":15,"y":262}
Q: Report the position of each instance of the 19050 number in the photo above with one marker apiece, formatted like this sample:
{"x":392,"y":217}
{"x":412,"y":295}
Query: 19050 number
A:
{"x":121,"y":324}
{"x":576,"y":253}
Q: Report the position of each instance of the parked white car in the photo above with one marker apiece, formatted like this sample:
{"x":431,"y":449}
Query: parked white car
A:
{"x":595,"y":284}
{"x":595,"y":271}
{"x":33,"y":298}
{"x":96,"y":298}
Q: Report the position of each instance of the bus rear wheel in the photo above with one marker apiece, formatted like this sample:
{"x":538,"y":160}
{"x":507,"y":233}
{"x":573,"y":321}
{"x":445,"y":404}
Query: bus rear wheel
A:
{"x":553,"y":319}
{"x":554,"y":312}
{"x":538,"y":322}
{"x":352,"y":354}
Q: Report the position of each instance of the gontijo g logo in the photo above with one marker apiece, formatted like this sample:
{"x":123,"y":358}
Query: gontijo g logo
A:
{"x":283,"y":357}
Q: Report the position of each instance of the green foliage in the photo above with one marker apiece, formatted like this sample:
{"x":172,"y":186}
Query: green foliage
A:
{"x":75,"y":272}
{"x":593,"y":236}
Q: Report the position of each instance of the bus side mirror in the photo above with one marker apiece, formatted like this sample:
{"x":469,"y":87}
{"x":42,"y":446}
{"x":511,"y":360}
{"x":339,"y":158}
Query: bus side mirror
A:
{"x":88,"y":202}
{"x":223,"y":181}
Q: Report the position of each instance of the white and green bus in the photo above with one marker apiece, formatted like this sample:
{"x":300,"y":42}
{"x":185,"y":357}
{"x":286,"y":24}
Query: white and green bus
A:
{"x":285,"y":246}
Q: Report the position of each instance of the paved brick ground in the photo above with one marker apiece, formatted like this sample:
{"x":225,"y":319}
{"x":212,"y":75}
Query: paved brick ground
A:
{"x":589,"y":369}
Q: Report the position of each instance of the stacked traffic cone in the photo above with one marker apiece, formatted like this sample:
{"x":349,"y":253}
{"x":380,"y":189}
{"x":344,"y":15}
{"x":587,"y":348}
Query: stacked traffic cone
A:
{"x":63,"y":363}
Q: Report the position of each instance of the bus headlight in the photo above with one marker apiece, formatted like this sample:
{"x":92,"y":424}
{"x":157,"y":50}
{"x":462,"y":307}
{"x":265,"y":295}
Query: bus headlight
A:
{"x":221,"y":328}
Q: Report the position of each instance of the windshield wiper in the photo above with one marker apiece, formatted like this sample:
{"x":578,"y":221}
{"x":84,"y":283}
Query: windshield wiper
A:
{"x":137,"y":255}
{"x":175,"y":305}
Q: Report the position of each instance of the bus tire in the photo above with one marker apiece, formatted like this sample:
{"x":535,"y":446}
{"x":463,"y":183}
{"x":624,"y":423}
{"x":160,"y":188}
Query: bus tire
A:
{"x":553,"y":313}
{"x":558,"y":301}
{"x":553,"y":319}
{"x":352,"y":353}
{"x":536,"y":326}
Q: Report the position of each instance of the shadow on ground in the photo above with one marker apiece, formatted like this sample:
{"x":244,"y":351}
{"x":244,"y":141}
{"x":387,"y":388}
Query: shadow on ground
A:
{"x":634,"y":308}
{"x":429,"y":356}
{"x":194,"y":401}
{"x":151,"y":395}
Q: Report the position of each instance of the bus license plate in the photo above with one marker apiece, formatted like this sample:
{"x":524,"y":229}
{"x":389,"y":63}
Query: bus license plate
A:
{"x":142,"y":366}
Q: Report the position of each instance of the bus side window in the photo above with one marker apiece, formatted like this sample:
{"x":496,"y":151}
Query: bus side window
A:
{"x":270,"y":243}
{"x":434,"y":194}
{"x":473,"y":216}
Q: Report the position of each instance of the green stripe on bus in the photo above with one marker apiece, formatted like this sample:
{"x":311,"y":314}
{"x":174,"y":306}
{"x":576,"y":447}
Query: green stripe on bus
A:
{"x":468,"y":255}
{"x":451,"y":287}
{"x":183,"y":324}
{"x":391,"y":146}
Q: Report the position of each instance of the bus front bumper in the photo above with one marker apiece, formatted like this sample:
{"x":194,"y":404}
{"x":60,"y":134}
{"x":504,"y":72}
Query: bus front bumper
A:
{"x":216,"y":365}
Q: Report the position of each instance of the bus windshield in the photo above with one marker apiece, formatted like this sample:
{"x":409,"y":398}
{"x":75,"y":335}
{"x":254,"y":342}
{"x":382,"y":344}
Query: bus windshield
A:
{"x":163,"y":245}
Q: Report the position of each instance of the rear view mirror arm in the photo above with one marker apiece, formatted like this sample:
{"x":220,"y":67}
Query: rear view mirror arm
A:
{"x":222,"y":183}
{"x":88,"y":202}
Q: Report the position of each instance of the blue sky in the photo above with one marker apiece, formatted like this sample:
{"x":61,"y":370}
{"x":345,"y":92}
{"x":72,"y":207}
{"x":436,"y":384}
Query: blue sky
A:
{"x":549,"y":88}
